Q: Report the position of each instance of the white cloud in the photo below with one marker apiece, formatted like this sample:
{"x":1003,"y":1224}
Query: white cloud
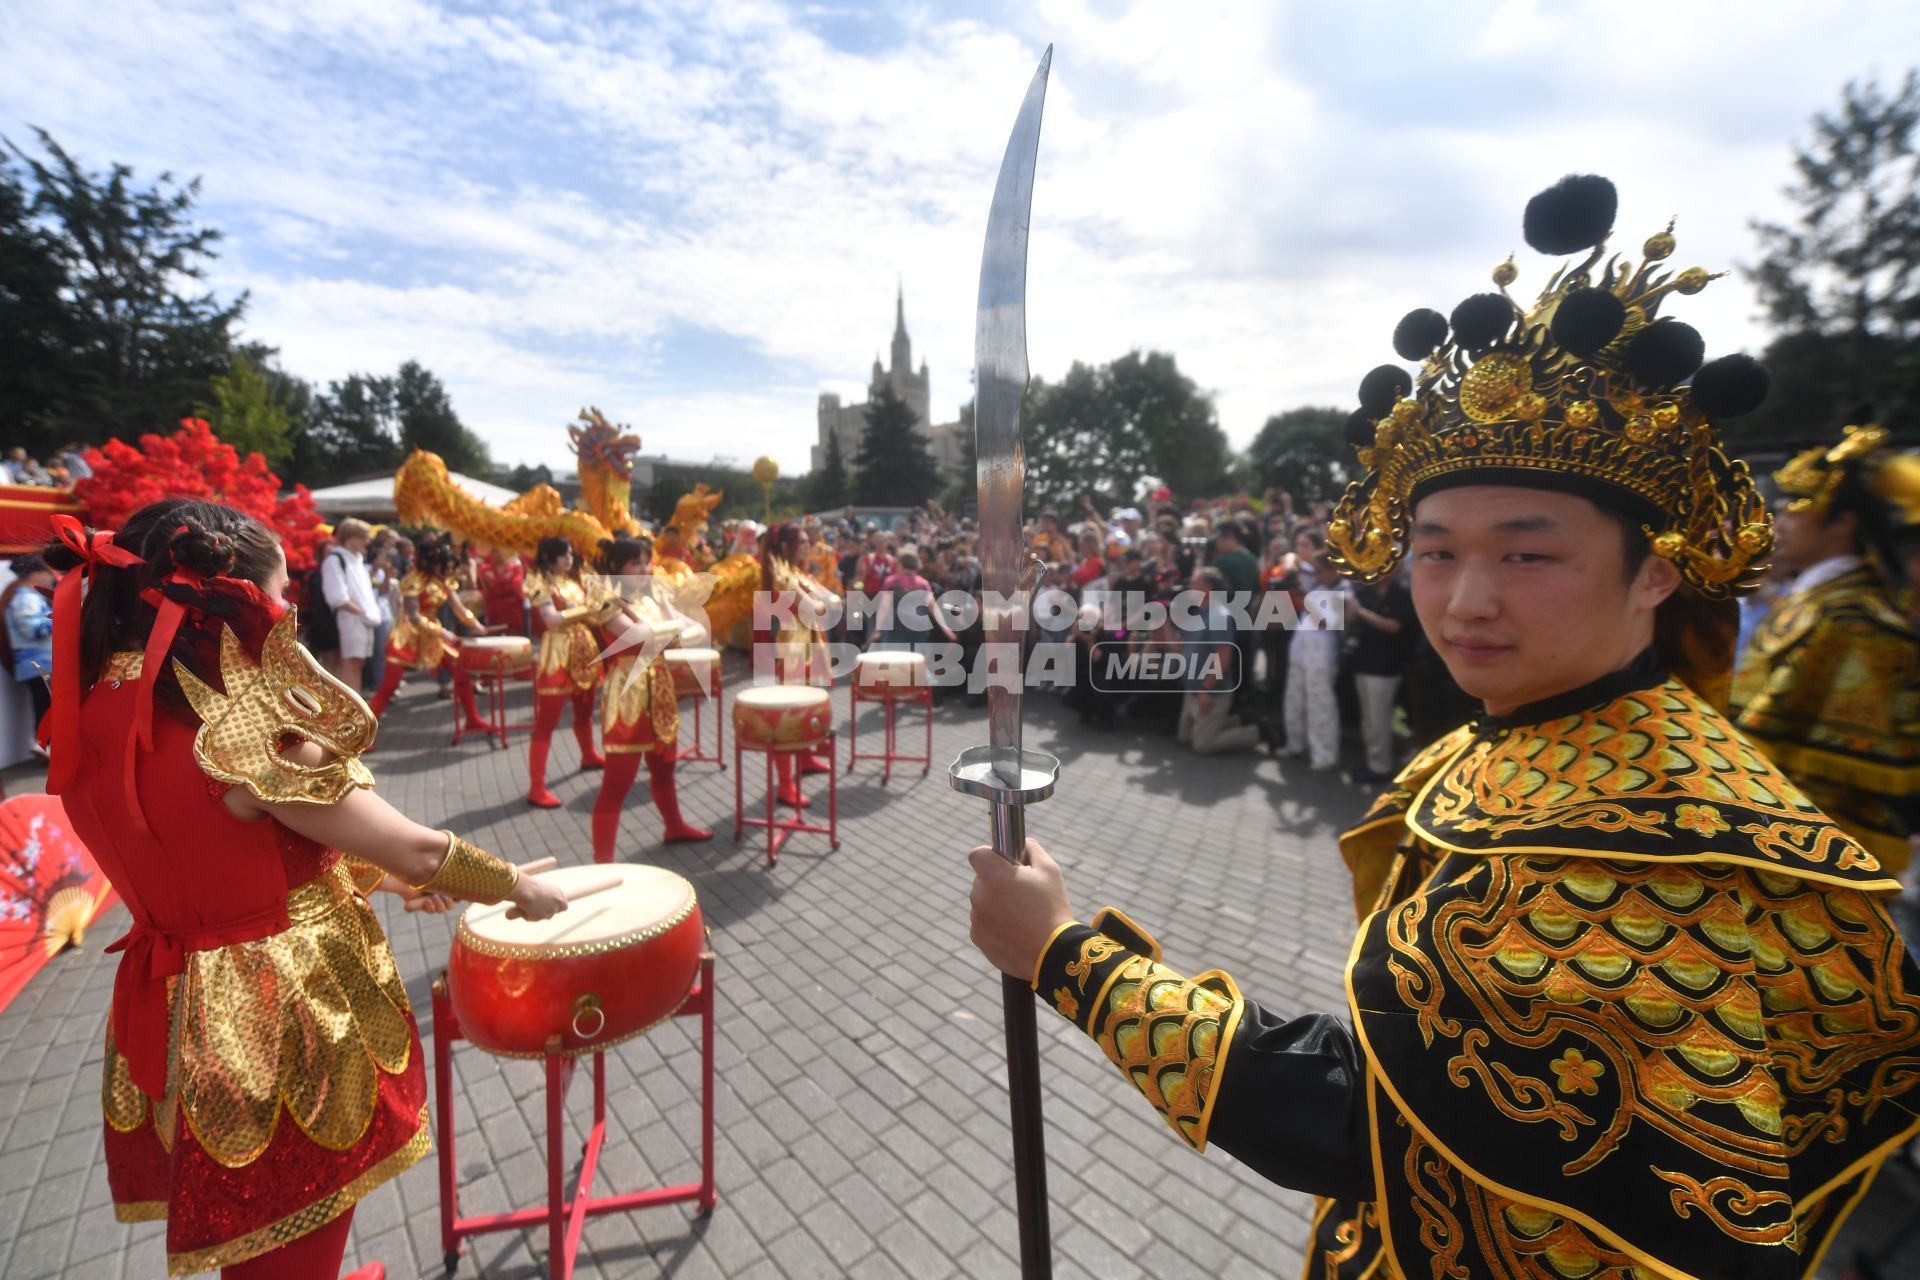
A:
{"x":1260,"y":189}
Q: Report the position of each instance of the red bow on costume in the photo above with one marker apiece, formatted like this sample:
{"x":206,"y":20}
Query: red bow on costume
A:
{"x":94,"y":550}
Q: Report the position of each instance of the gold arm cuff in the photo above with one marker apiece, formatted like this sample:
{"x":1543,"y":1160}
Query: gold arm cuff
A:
{"x":577,"y":613}
{"x":471,"y":874}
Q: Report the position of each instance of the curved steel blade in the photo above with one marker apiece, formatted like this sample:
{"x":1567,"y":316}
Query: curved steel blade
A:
{"x":1000,"y":372}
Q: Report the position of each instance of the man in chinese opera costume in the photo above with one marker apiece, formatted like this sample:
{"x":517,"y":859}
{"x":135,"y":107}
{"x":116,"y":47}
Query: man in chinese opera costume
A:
{"x":639,"y":711}
{"x":1622,"y":1003}
{"x":263,"y":1071}
{"x":1829,"y":687}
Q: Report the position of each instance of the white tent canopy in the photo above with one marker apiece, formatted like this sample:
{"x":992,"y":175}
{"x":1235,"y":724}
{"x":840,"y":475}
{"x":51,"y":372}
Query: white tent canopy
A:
{"x":375,"y":497}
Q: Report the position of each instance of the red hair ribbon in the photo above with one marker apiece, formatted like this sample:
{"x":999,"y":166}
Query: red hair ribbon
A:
{"x":94,"y":550}
{"x":169,"y":614}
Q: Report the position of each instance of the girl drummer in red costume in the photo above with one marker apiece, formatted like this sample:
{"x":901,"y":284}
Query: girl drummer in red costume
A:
{"x":639,"y":711}
{"x":566,"y":670}
{"x":419,"y":642}
{"x":799,"y":648}
{"x":212,"y":767}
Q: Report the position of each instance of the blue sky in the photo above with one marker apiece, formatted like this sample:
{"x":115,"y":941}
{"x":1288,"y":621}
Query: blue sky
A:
{"x":693,"y":215}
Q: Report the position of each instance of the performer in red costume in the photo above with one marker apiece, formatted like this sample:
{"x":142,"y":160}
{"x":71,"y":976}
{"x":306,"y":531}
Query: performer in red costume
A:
{"x":212,"y":767}
{"x":566,"y":671}
{"x":503,"y":582}
{"x":639,"y":712}
{"x":419,"y":642}
{"x":799,"y":648}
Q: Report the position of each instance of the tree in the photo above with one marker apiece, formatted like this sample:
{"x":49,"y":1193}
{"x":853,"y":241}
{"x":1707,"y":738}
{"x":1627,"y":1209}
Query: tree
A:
{"x":246,"y":414}
{"x":893,"y":467}
{"x":426,"y":420}
{"x":1189,"y":451}
{"x":1842,"y":284}
{"x":524,"y":477}
{"x":1079,"y":443}
{"x":37,"y":330}
{"x":1302,"y":452}
{"x":828,"y":487}
{"x":139,"y":350}
{"x":962,"y":488}
{"x":354,"y":431}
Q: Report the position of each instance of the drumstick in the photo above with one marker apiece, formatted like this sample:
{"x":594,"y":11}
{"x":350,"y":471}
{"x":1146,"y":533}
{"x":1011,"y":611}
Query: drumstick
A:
{"x":574,"y":895}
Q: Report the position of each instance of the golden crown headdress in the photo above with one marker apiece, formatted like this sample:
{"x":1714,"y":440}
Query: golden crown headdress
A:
{"x":1587,"y":391}
{"x":1811,"y":479}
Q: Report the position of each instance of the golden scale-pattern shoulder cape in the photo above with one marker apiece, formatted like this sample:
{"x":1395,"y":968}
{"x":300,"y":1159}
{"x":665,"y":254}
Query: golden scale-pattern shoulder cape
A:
{"x":1630,"y":1005}
{"x":1829,"y":688}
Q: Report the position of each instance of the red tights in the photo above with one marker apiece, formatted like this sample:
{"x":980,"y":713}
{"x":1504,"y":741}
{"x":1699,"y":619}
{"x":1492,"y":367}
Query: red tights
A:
{"x":546,"y":718}
{"x":462,"y":689}
{"x":314,"y":1256}
{"x":622,"y":769}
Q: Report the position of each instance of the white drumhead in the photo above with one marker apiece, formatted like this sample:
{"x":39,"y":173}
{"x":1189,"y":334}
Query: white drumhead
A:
{"x":498,"y":642}
{"x":691,"y":657}
{"x":645,"y":897}
{"x":780,"y":697}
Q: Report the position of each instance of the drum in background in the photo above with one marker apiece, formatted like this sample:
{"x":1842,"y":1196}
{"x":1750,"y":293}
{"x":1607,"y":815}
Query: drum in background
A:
{"x":602,"y":971}
{"x":781,"y":717}
{"x":889,"y":673}
{"x":695,"y":671}
{"x":507,"y":655}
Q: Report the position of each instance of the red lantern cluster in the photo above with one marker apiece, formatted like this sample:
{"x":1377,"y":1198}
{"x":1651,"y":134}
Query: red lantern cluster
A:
{"x":194,"y":463}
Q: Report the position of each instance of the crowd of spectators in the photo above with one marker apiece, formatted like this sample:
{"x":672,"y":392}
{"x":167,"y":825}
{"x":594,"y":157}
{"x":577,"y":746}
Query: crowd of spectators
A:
{"x":1331,"y":665}
{"x":69,"y":465}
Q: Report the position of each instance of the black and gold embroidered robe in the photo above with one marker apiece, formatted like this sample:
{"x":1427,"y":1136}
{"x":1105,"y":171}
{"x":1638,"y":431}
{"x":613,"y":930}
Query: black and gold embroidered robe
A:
{"x":1829,"y":689}
{"x":1623,"y":1002}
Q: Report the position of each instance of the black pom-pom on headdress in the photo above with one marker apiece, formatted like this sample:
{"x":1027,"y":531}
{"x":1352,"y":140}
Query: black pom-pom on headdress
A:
{"x":1418,"y":333}
{"x":1481,"y":320}
{"x":1729,"y":387}
{"x":1664,"y":353}
{"x":1381,"y":387}
{"x":1587,"y":320}
{"x":1358,"y":429}
{"x":1572,"y":215}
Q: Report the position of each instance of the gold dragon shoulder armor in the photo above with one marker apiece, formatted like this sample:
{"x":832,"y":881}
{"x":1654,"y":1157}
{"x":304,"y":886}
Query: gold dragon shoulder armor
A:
{"x":288,"y":695}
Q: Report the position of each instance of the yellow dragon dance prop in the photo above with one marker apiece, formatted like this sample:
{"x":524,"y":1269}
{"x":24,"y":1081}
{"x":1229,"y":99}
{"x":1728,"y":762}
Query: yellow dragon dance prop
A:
{"x":424,"y":493}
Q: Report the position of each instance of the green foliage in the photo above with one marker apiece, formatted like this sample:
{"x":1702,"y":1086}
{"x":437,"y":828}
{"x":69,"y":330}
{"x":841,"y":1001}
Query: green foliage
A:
{"x":427,"y":421}
{"x":524,"y":477}
{"x":894,"y":467}
{"x":1302,"y":452}
{"x":93,"y":269}
{"x":830,"y":485}
{"x":245,"y":413}
{"x":1112,"y":431}
{"x":1842,"y":284}
{"x":743,"y":500}
{"x":353,"y":433}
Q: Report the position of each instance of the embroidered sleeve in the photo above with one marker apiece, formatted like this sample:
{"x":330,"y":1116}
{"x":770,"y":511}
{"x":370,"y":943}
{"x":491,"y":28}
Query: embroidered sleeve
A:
{"x":1165,"y":1032}
{"x":537,"y":589}
{"x":1293,"y":1107}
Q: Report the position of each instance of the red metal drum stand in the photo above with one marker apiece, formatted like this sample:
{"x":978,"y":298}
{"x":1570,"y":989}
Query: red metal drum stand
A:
{"x":566,"y":1217}
{"x":700,"y":680}
{"x":893,"y":680}
{"x":492,"y":682}
{"x":794,"y":721}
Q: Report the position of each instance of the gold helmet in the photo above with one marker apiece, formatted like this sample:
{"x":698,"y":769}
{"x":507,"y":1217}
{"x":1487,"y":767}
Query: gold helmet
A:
{"x":1588,"y":391}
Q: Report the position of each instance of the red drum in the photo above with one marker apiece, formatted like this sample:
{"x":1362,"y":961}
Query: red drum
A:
{"x":508,"y":655}
{"x":604,"y":970}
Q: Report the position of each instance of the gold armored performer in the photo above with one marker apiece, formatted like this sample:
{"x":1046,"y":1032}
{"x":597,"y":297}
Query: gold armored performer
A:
{"x":1829,"y":687}
{"x":1623,"y":1002}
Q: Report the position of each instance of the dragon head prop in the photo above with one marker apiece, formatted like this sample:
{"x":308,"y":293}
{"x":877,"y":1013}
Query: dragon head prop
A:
{"x":287,"y":695}
{"x":599,"y":443}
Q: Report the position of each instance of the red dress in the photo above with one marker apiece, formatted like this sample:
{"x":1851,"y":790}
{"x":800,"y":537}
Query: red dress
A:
{"x":256,"y":1001}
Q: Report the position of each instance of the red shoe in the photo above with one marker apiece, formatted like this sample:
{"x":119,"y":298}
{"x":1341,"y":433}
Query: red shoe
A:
{"x":814,"y":764}
{"x":685,"y":833}
{"x":543,"y":799}
{"x":790,"y":796}
{"x":372,"y":1271}
{"x":477,"y":726}
{"x":594,"y":761}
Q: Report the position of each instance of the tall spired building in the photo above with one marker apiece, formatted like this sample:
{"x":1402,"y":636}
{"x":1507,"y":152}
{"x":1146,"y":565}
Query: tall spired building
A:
{"x":847,"y":423}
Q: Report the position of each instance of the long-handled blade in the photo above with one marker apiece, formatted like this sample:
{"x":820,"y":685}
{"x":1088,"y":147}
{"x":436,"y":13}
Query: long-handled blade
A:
{"x":1000,"y":363}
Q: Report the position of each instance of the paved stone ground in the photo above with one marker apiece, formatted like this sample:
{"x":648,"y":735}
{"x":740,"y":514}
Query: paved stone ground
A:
{"x":862,"y":1104}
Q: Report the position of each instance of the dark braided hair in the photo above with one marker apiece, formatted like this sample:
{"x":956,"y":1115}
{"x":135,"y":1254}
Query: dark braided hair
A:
{"x":232,"y":550}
